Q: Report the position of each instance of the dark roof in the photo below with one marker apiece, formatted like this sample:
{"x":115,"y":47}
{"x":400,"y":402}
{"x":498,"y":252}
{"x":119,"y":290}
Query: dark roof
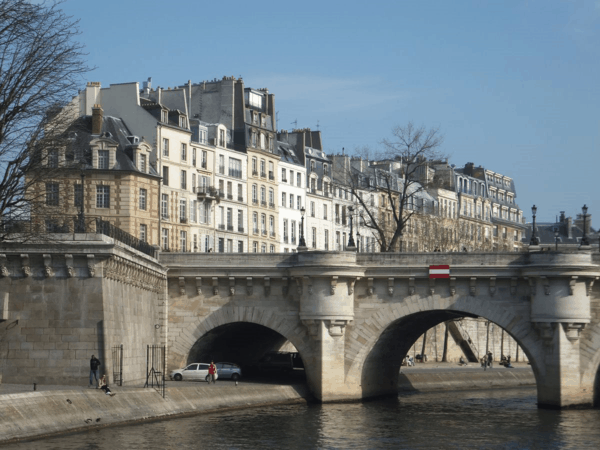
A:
{"x":80,"y":134}
{"x":288,"y":153}
{"x":545,"y":232}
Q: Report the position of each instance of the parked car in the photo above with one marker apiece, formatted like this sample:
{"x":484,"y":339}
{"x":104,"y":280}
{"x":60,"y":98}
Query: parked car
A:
{"x":229,"y":370}
{"x":280,"y":361}
{"x":195,"y":371}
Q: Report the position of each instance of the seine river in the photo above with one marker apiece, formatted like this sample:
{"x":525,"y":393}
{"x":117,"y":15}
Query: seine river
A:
{"x":495,"y":419}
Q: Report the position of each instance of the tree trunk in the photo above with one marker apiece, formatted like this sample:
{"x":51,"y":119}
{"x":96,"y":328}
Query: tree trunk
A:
{"x":445,"y":352}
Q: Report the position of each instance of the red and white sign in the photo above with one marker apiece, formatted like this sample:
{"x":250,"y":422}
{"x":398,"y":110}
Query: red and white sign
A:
{"x":439,"y":271}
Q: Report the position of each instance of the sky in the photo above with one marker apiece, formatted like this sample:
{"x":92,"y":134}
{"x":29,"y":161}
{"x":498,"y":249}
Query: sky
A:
{"x":513,"y":86}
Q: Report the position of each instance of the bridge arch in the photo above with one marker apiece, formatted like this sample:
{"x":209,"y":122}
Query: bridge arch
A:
{"x":385,"y":338}
{"x":267,"y":326}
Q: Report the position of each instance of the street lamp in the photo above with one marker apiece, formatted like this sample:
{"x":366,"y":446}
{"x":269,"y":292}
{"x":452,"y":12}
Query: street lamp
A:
{"x":556,"y":234}
{"x":584,"y":239}
{"x":81,"y":221}
{"x":302,"y":242}
{"x":351,"y":243}
{"x":533,"y":236}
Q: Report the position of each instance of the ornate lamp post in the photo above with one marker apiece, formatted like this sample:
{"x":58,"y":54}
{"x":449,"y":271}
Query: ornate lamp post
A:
{"x":556,"y":234}
{"x":81,"y":221}
{"x":584,"y":239}
{"x":302,"y":242}
{"x":351,"y":243}
{"x":533,"y":240}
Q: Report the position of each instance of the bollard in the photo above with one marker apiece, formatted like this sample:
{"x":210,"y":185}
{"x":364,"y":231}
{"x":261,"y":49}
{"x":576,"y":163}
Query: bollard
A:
{"x":35,"y":386}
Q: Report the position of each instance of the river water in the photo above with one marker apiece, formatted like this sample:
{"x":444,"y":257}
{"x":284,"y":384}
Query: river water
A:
{"x":488,"y":419}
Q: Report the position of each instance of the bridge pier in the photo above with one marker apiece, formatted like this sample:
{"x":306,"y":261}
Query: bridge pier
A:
{"x":560,"y":310}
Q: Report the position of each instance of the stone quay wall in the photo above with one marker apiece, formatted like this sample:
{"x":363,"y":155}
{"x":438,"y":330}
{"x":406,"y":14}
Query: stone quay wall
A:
{"x":79,"y":295}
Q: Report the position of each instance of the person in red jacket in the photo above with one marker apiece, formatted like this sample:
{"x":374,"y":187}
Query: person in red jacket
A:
{"x":212,"y":371}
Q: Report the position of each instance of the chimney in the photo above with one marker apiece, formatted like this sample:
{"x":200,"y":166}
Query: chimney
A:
{"x":469,"y":168}
{"x":562,"y":217}
{"x":97,"y":113}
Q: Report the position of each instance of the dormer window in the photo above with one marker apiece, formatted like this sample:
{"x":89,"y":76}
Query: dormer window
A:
{"x":262,"y":141}
{"x":143,"y":163}
{"x":53,"y":158}
{"x":182,"y":122}
{"x":222,"y":141}
{"x":263,"y":121}
{"x":255,"y":118}
{"x":103,"y":156}
{"x":164,"y":116}
{"x":254,"y":139}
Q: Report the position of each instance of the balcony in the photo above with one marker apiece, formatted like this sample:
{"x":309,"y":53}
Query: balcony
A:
{"x":183,"y":220}
{"x":229,"y":196}
{"x":337,"y":220}
{"x":285,"y":239}
{"x":271,"y":176}
{"x":164,"y":216}
{"x":254,"y":173}
{"x":240,"y":198}
{"x":221,"y":194}
{"x":221,"y":226}
{"x":272,"y":234}
{"x":206,"y":192}
{"x":235,"y":173}
{"x":293,"y":241}
{"x":284,"y":180}
{"x":203,"y":165}
{"x":229,"y":227}
{"x":241,"y":229}
{"x":263,"y":175}
{"x":263,"y":232}
{"x":255,"y":230}
{"x":254,"y":201}
{"x":263,"y":203}
{"x":222,"y":170}
{"x":272,"y":205}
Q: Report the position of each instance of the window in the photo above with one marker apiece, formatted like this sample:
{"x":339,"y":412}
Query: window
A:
{"x":235,"y":168}
{"x":271,"y":171}
{"x":143,"y":194}
{"x":53,"y":158}
{"x":183,"y":241}
{"x":143,"y":232}
{"x":78,"y":194}
{"x":183,"y":152}
{"x":255,"y":223}
{"x":325,"y":212}
{"x":263,"y":248}
{"x":202,"y":136}
{"x":194,"y":159}
{"x":230,"y":190}
{"x":254,"y":139}
{"x":272,"y":225}
{"x":298,"y":202}
{"x":165,"y":174}
{"x":165,"y":148}
{"x":240,"y":246}
{"x":143,"y":163}
{"x":240,"y":193}
{"x":230,"y":219}
{"x":204,"y":160}
{"x":262,"y":141}
{"x":240,"y":220}
{"x":222,"y":164}
{"x":52,"y":194}
{"x":285,"y":231}
{"x":221,"y":245}
{"x":312,"y":165}
{"x":326,"y":237}
{"x":193,"y":208}
{"x":263,"y":196}
{"x":102,"y":196}
{"x":271,"y":198}
{"x":283,"y":176}
{"x":255,"y":247}
{"x":312,"y":209}
{"x":222,"y":141}
{"x":254,"y":166}
{"x":254,"y":193}
{"x":314,"y":237}
{"x":164,"y":206}
{"x":182,"y":211}
{"x":102,"y":159}
{"x":165,"y":239}
{"x":195,"y":242}
{"x":299,"y":180}
{"x":263,"y":223}
{"x":183,"y":179}
{"x":263,"y":168}
{"x":283,"y":199}
{"x":291,"y":201}
{"x":293,"y":231}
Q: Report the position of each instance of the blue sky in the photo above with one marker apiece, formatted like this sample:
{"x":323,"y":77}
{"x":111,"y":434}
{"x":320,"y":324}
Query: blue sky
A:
{"x":512,"y":85}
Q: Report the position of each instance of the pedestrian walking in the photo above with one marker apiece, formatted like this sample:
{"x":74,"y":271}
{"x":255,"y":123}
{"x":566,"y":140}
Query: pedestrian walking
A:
{"x":94,"y":370}
{"x":490,"y":359}
{"x":212,"y":371}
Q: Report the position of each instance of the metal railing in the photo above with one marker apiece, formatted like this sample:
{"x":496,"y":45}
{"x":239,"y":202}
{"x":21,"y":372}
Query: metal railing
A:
{"x":108,"y":229}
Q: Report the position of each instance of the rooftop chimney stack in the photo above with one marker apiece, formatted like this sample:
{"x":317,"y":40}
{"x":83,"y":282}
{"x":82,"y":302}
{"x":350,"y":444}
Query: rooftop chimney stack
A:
{"x":97,"y":113}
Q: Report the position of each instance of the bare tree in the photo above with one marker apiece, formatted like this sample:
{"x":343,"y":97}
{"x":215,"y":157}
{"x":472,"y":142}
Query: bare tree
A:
{"x":41,"y":68}
{"x":391,"y":191}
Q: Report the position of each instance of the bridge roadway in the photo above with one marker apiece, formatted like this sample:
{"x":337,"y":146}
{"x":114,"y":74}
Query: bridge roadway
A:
{"x":353,"y":317}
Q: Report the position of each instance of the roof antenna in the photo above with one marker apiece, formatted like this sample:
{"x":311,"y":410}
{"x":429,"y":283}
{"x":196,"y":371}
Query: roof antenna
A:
{"x":342,"y":151}
{"x":295,"y":123}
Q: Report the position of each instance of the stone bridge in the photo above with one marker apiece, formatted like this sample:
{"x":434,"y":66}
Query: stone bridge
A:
{"x":353,"y":317}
